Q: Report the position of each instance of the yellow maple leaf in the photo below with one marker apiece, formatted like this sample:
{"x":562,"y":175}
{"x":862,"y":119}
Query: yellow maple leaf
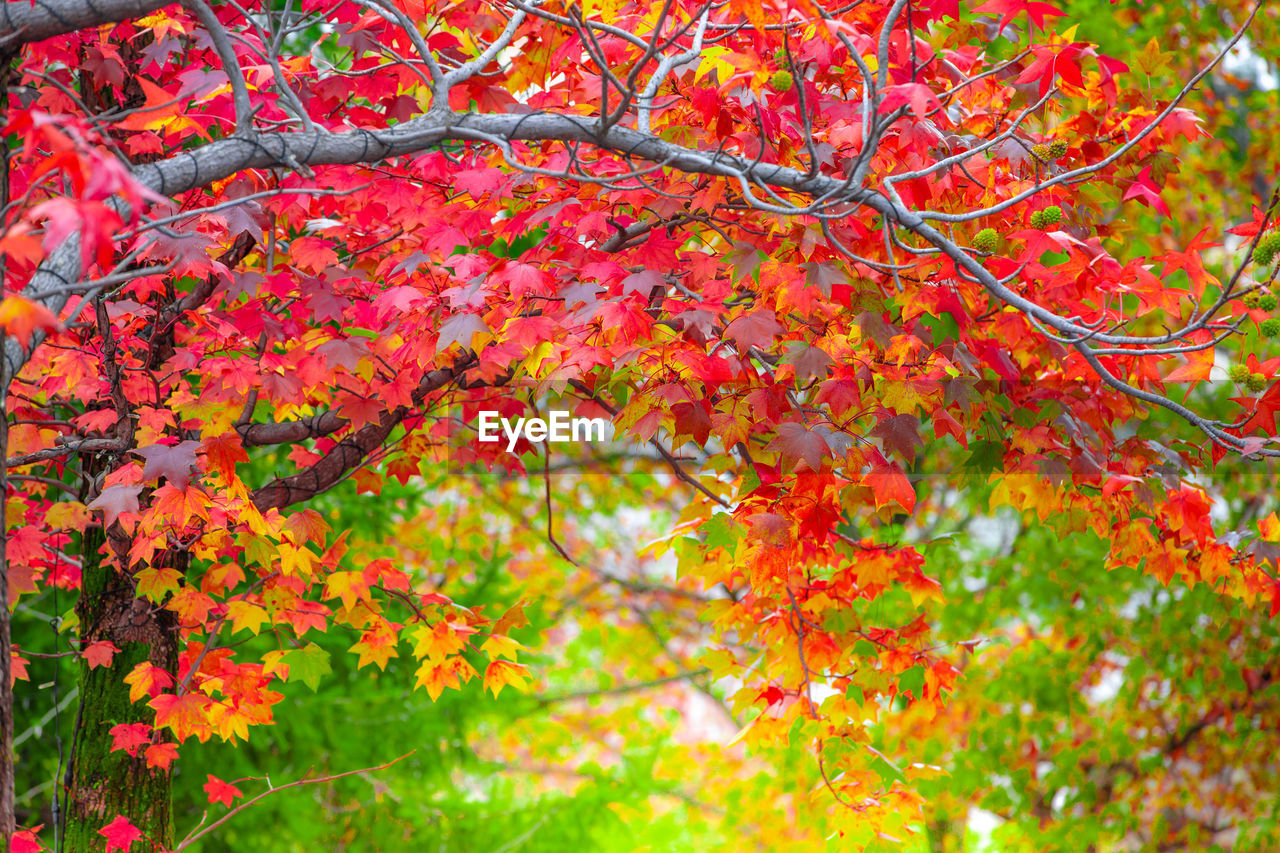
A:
{"x":245,"y":615}
{"x":351,"y":587}
{"x":437,"y":676}
{"x":229,"y":722}
{"x":716,"y":59}
{"x":293,"y":560}
{"x":161,"y":24}
{"x":501,"y":647}
{"x":500,"y":673}
{"x":436,"y":642}
{"x":156,"y":583}
{"x":71,"y":515}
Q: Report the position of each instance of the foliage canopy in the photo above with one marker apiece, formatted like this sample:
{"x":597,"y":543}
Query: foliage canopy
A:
{"x":940,"y":478}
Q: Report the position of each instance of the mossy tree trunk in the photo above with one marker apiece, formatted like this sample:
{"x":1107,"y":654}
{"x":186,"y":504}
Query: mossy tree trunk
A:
{"x":103,"y":783}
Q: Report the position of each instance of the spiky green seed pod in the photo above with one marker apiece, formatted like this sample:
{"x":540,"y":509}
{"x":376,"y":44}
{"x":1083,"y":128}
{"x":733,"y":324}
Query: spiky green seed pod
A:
{"x":1239,"y":373}
{"x":1052,"y":215}
{"x":781,"y":81}
{"x":1267,"y":248}
{"x":1252,"y":300}
{"x":780,"y":56}
{"x":1058,"y":148}
{"x":986,"y":240}
{"x":1037,"y":219}
{"x":1256,"y":382}
{"x":1268,"y":302}
{"x":1041,"y":153}
{"x":1270,"y":327}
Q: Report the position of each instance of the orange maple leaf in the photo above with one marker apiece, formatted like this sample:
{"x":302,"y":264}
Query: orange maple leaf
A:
{"x":500,"y":673}
{"x":22,"y":317}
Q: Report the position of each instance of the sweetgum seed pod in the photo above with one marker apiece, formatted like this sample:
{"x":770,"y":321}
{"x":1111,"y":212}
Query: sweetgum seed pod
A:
{"x":1239,"y":372}
{"x":1252,"y":300}
{"x":1256,"y":382}
{"x":1041,"y":152}
{"x":1268,"y":302}
{"x":782,"y":81}
{"x":1270,"y":327}
{"x":986,"y":240}
{"x":1037,"y":219}
{"x":1267,"y":248}
{"x":1058,"y":148}
{"x":1052,"y":214}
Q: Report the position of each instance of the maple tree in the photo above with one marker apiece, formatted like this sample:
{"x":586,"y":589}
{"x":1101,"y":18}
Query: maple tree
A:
{"x":263,"y":264}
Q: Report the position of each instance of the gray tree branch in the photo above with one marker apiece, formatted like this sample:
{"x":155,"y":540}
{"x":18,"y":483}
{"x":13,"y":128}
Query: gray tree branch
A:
{"x":23,"y":21}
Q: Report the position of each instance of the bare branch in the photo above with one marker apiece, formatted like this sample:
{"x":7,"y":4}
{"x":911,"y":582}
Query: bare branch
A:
{"x":230,"y":65}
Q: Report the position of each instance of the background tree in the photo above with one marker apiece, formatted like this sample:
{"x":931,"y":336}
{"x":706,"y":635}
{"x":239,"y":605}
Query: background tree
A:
{"x":1048,"y":707}
{"x":822,"y":253}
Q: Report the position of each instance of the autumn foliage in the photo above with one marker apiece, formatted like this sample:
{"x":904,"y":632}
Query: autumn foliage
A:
{"x":842,"y":278}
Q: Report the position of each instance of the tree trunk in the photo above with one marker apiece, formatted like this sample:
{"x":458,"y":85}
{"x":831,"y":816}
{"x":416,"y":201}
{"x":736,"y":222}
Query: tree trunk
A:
{"x":7,"y":817}
{"x":7,"y":824}
{"x":103,"y":783}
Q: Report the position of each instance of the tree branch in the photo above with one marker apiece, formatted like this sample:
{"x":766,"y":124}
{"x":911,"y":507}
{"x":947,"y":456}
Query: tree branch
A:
{"x":352,"y":450}
{"x":25,"y":21}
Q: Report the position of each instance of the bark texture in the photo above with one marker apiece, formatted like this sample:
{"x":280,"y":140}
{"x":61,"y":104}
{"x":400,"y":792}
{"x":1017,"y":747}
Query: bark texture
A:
{"x":103,"y":783}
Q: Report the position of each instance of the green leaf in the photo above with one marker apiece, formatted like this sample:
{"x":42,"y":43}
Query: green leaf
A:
{"x":886,"y":770}
{"x":943,"y":328}
{"x":913,"y":680}
{"x":307,"y":664}
{"x":720,"y":531}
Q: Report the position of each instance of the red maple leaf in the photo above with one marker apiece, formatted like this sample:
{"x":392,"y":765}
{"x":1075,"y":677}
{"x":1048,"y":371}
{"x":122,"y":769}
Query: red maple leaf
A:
{"x":312,"y":254}
{"x":642,"y":282}
{"x":222,"y":452}
{"x":692,"y":419}
{"x":478,"y":182}
{"x":756,"y":329}
{"x":797,"y":442}
{"x":161,"y":755}
{"x":1037,"y":12}
{"x":221,"y":792}
{"x":92,"y":220}
{"x":1253,"y":226}
{"x":25,"y":841}
{"x":841,"y":395}
{"x":890,"y":485}
{"x":918,"y":95}
{"x":809,"y":362}
{"x":1144,"y":189}
{"x":1263,"y":417}
{"x":99,"y":653}
{"x":1052,"y":62}
{"x":17,"y":666}
{"x":129,"y":736}
{"x":120,"y":834}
